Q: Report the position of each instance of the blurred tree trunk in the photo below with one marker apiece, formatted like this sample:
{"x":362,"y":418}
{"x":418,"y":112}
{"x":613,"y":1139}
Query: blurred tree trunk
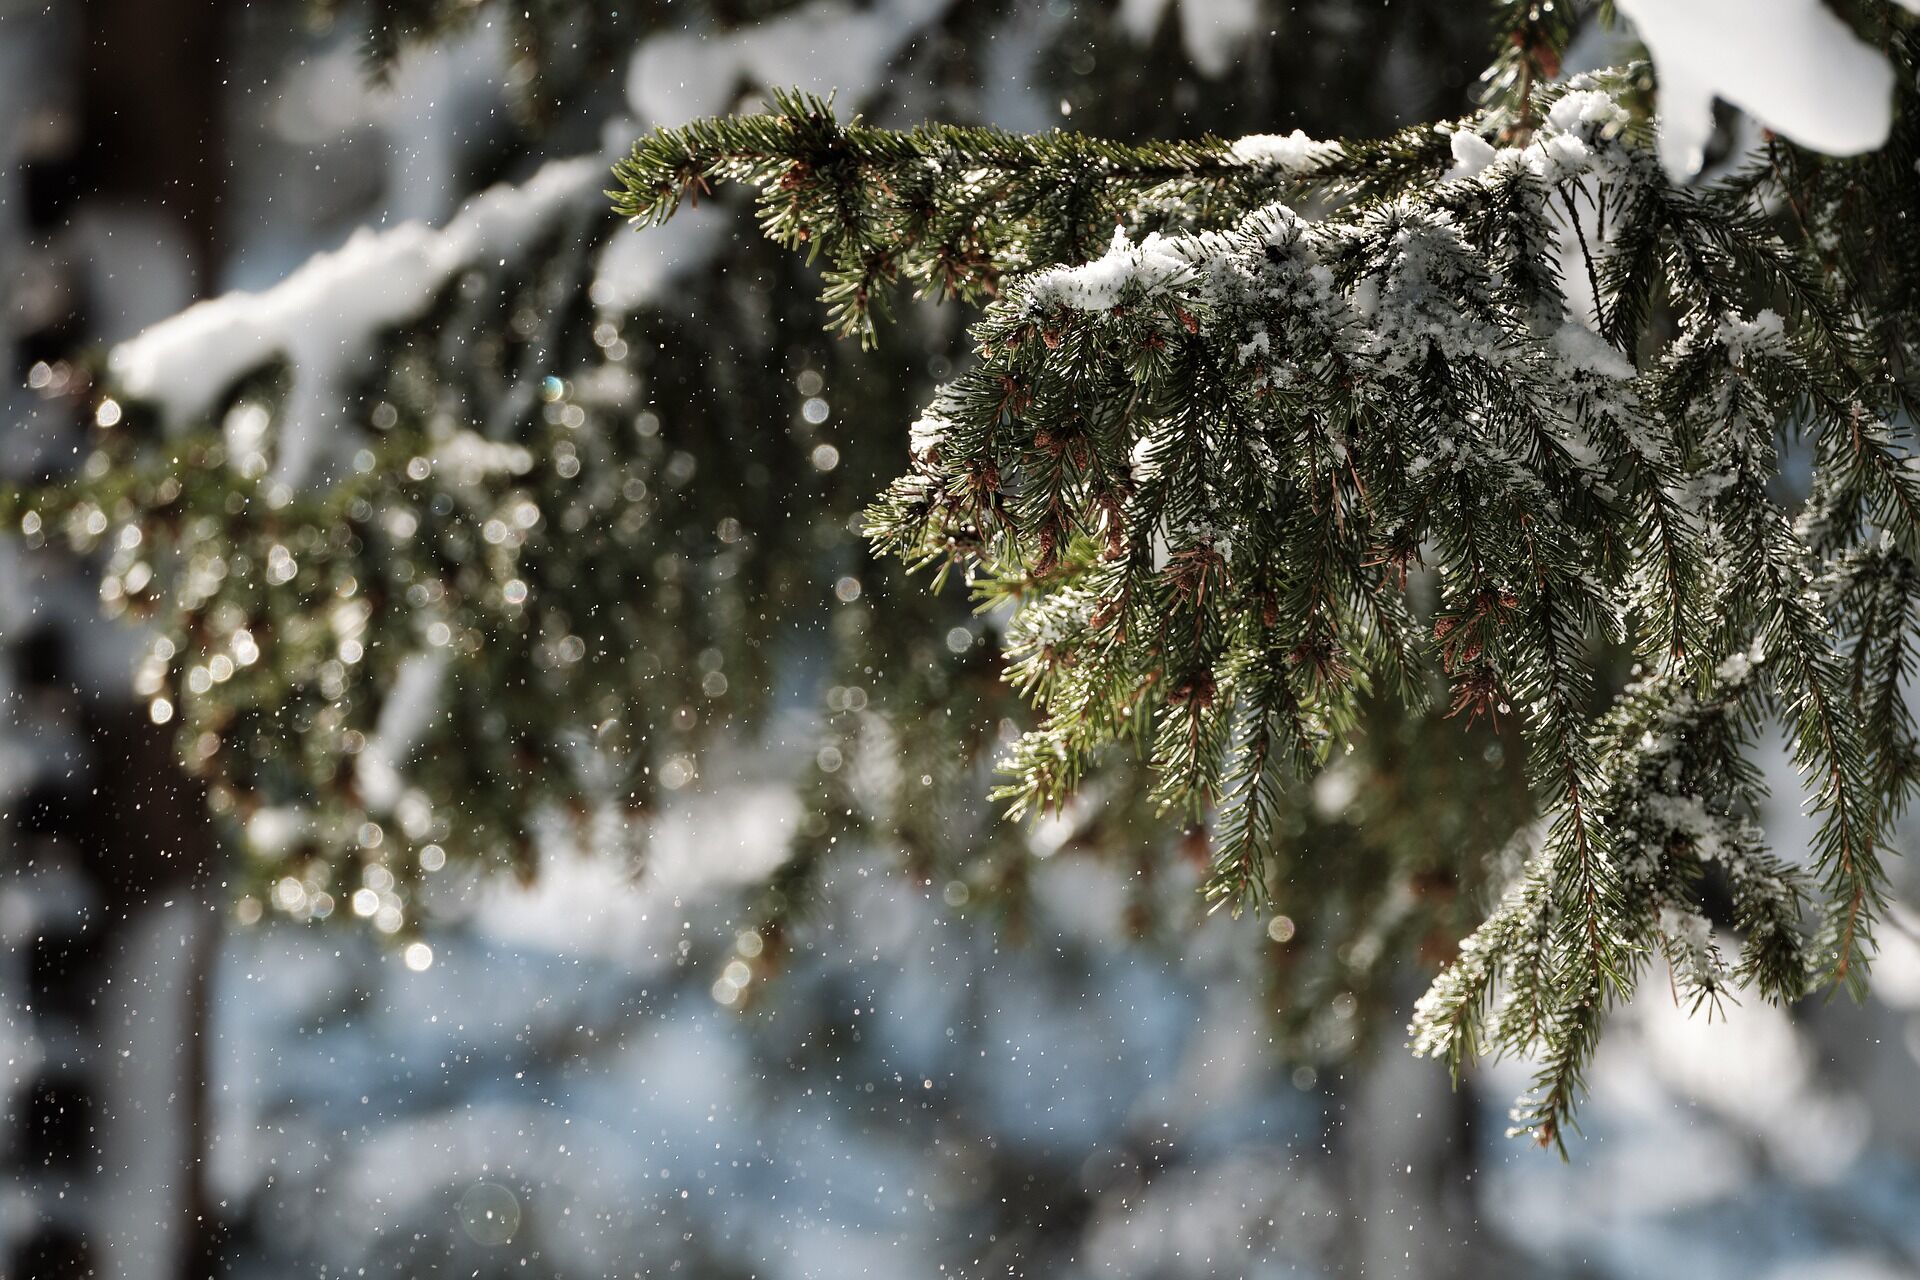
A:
{"x":152,"y":151}
{"x":151,"y":119}
{"x":151,"y":850}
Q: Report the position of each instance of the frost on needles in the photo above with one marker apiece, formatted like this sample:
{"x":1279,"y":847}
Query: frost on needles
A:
{"x":1260,"y":439}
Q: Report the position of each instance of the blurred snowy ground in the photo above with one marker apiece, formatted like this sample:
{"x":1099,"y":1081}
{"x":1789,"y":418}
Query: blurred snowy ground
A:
{"x":919,"y":1096}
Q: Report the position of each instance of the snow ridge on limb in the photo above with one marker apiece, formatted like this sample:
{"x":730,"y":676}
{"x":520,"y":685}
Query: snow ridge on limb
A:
{"x":323,"y":320}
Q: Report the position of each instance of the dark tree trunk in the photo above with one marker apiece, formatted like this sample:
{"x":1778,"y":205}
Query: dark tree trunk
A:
{"x":151,"y":114}
{"x":112,"y":813}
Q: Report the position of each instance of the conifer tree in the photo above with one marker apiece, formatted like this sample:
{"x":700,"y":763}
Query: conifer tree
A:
{"x":1498,"y":470}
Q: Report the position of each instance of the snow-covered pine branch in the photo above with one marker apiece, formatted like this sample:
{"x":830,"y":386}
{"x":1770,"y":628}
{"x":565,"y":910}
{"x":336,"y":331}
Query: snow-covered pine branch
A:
{"x":1508,"y":394}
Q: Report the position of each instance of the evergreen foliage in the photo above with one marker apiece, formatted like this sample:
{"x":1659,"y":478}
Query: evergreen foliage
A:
{"x":391,"y":681}
{"x":1372,"y":525}
{"x":1459,"y":413}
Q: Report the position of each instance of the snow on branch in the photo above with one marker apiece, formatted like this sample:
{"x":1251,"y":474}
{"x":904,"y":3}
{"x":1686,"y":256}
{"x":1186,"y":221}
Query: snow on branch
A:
{"x":1793,"y":65}
{"x":323,"y":319}
{"x":1202,"y":467}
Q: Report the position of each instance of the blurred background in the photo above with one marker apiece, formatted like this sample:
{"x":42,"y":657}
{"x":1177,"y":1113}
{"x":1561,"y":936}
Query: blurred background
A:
{"x":784,"y":999}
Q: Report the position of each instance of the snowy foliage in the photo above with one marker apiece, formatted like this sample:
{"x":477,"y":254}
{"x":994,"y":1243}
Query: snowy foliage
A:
{"x":1282,"y":459}
{"x":1506,"y":397}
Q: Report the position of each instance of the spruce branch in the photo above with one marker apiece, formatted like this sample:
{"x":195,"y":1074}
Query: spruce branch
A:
{"x":1210,"y":458}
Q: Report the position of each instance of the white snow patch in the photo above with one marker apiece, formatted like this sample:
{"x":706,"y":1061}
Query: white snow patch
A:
{"x":431,"y":98}
{"x":1753,"y":1066}
{"x":1896,"y":963}
{"x":1764,"y":334}
{"x":634,"y":267}
{"x":410,"y":705}
{"x":1151,"y":266}
{"x":928,"y":431}
{"x":1586,"y":351}
{"x":1471,"y":154}
{"x":1794,"y":65}
{"x":1288,"y":152}
{"x":1587,"y":112}
{"x":1214,"y":32}
{"x":587,"y":898}
{"x":323,"y":319}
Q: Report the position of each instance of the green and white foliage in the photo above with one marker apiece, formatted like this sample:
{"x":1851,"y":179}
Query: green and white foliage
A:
{"x":1489,"y":412}
{"x":459,"y":528}
{"x":1367,"y":524}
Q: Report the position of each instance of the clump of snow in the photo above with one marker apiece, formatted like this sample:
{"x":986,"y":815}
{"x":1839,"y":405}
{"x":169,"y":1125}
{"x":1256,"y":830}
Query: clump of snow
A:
{"x":1411,"y":304}
{"x":1056,"y":619}
{"x":1688,"y":816}
{"x":1688,"y":929}
{"x":1570,"y":140}
{"x":1289,"y":153}
{"x":928,"y":431}
{"x":1793,"y":65}
{"x":1737,"y":667}
{"x":323,"y":319}
{"x":1587,"y":352}
{"x":1764,"y":334}
{"x":1471,"y":154}
{"x":1586,"y":112}
{"x":1152,"y":266}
